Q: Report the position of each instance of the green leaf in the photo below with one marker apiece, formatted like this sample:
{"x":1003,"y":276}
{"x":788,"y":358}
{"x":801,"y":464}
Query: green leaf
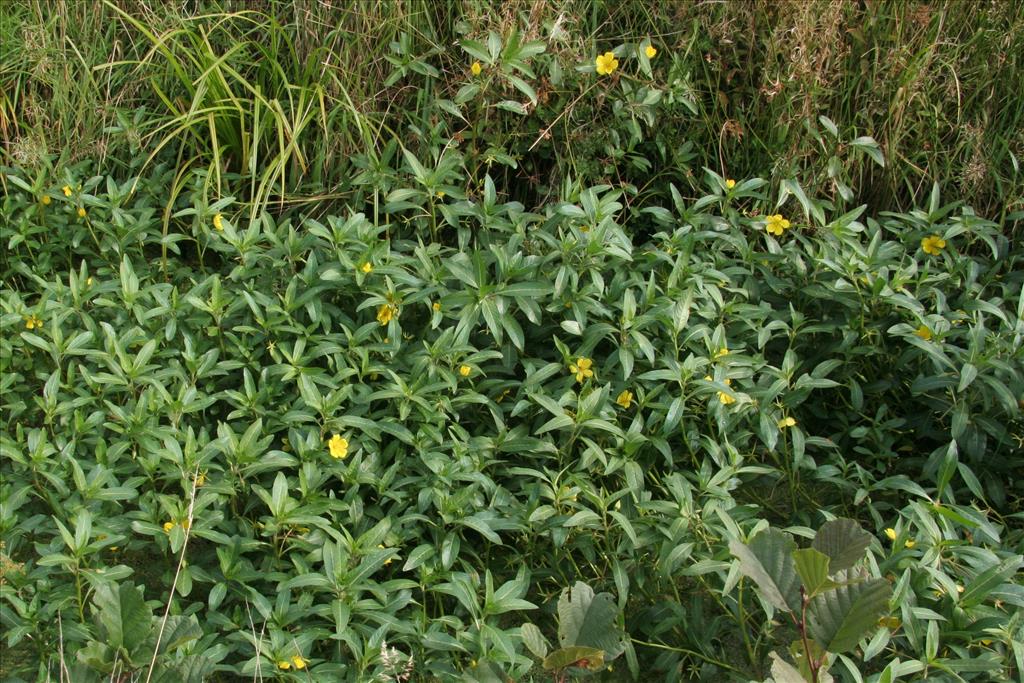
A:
{"x":179,"y":630}
{"x":768,"y":560}
{"x":839,"y":618}
{"x":843,"y":541}
{"x":589,"y":620}
{"x":535,"y":641}
{"x":123,"y":615}
{"x":988,"y":580}
{"x":783,"y":671}
{"x":585,"y":657}
{"x":813,"y":568}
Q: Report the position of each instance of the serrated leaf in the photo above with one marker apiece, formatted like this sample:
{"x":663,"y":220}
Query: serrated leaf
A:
{"x":843,"y":541}
{"x":768,"y":560}
{"x":839,"y":618}
{"x":813,"y":568}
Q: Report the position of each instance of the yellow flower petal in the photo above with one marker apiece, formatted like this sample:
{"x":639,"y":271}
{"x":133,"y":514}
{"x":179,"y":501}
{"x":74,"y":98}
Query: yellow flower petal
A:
{"x":46,"y":200}
{"x":298,"y":662}
{"x":891,"y":533}
{"x":284,"y":665}
{"x":385,"y":313}
{"x":81,"y":212}
{"x":933,"y":245}
{"x":787,"y":422}
{"x":338,"y":446}
{"x":218,"y":221}
{"x":650,"y":51}
{"x":366,"y":267}
{"x":924,"y":333}
{"x":625,"y":399}
{"x":729,"y":184}
{"x":67,"y":190}
{"x":606,"y":63}
{"x":464,"y":370}
{"x":476,"y":68}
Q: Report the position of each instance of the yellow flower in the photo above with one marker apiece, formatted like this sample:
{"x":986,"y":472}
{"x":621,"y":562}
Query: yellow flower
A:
{"x":33,"y":323}
{"x":218,"y":221}
{"x":168,"y":526}
{"x":476,"y":68}
{"x":200,"y":480}
{"x":67,"y":190}
{"x":625,"y":399}
{"x":581,"y":368}
{"x":891,"y":623}
{"x":924,"y":333}
{"x":650,"y":51}
{"x":933,"y":244}
{"x":724,"y":351}
{"x":338,"y":446}
{"x":81,"y":212}
{"x":436,"y":306}
{"x":284,"y":665}
{"x":387,"y":561}
{"x":366,"y":267}
{"x":909,"y":543}
{"x":891,"y":533}
{"x":787,"y":422}
{"x":464,"y":370}
{"x":385,"y":313}
{"x":776,"y":225}
{"x":606,"y":63}
{"x":298,"y":662}
{"x":46,"y":200}
{"x":725,"y":398}
{"x":88,"y":281}
{"x":730,"y":183}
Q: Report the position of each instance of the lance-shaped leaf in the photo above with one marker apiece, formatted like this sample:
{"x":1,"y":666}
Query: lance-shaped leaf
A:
{"x":843,"y":541}
{"x":768,"y":560}
{"x":838,"y":619}
{"x":589,"y":620}
{"x":813,"y":568}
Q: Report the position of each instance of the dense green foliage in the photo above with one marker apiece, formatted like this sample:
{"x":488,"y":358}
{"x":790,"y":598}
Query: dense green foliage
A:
{"x":317,"y":367}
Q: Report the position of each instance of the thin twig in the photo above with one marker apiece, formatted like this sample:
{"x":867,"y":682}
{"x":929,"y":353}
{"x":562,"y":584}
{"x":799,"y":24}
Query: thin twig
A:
{"x":565,"y":111}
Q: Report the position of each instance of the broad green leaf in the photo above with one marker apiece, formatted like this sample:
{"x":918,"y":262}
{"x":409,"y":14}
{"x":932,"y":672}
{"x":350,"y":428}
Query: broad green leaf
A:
{"x":843,"y":541}
{"x":768,"y":560}
{"x":123,"y":615}
{"x":813,"y":568}
{"x":589,"y":620}
{"x":839,"y":618}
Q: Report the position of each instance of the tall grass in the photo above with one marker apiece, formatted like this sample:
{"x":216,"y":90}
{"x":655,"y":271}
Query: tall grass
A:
{"x":270,"y":100}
